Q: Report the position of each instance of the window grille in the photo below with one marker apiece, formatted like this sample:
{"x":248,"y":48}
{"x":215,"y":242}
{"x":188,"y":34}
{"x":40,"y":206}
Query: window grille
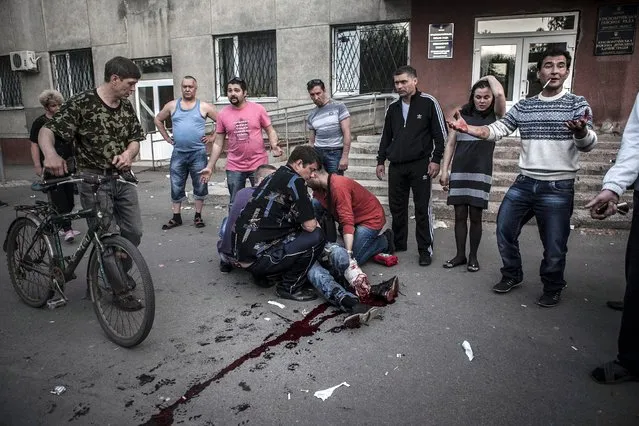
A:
{"x":10,"y":90}
{"x":251,"y":57}
{"x":72,"y":72}
{"x":365,"y":57}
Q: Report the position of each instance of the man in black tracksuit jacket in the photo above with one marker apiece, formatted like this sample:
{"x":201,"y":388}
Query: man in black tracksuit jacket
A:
{"x":413,"y":142}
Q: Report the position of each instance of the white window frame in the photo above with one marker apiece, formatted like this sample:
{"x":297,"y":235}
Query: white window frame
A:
{"x":220,"y":86}
{"x":356,"y":29}
{"x":526,"y":33}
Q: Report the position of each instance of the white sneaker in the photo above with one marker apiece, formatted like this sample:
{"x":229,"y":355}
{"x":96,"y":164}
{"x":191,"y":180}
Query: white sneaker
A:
{"x":69,"y":236}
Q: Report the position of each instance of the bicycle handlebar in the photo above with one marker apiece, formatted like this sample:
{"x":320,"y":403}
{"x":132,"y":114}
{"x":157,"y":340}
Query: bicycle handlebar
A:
{"x":90,"y":178}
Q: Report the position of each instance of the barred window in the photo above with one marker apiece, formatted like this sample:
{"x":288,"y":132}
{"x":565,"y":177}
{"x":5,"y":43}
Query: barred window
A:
{"x":365,"y":57}
{"x":250,"y":56}
{"x":10,"y":90}
{"x":72,"y":71}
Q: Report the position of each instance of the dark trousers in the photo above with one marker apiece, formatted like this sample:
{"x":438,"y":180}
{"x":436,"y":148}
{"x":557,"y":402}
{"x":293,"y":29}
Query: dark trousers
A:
{"x":550,"y":202}
{"x":291,"y":258}
{"x":401,"y":179}
{"x":120,"y":208}
{"x":628,"y":335}
{"x":62,"y":200}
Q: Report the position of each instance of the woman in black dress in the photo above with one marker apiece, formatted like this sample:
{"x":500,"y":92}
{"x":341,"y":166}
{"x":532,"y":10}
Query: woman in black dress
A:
{"x":470,"y":178}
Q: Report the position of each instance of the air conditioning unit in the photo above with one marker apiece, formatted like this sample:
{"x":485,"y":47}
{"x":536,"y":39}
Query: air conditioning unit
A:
{"x":24,"y":60}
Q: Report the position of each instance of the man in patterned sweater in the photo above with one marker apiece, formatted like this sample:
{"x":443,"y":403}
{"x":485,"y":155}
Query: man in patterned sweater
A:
{"x":554,"y":127}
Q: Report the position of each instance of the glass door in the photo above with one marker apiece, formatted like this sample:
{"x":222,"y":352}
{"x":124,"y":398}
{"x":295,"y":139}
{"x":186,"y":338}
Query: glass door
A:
{"x":150,"y":98}
{"x":501,"y":58}
{"x":513,"y":61}
{"x":533,"y":48}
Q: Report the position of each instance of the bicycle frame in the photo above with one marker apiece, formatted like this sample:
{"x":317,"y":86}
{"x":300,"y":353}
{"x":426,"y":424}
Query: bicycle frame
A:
{"x":49,"y":226}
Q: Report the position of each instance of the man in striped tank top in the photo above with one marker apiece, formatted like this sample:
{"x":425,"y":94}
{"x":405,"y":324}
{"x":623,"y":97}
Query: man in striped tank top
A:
{"x":188,"y":117}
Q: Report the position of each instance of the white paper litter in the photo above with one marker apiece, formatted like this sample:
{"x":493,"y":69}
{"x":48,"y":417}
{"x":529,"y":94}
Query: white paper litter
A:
{"x":419,"y":293}
{"x":524,"y":306}
{"x":187,"y":208}
{"x":412,"y":217}
{"x":440,"y":224}
{"x":468,"y":350}
{"x":191,"y":261}
{"x":267,"y":319}
{"x":289,"y":396}
{"x":326,"y":393}
{"x":279,"y":305}
{"x":58,"y":390}
{"x":574,"y":348}
{"x":572,"y":226}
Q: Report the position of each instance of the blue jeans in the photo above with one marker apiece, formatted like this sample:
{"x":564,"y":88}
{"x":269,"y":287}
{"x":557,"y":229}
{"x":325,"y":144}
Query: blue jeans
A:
{"x":331,"y":157}
{"x":182,"y":165}
{"x":367,"y":242}
{"x":551,"y":204}
{"x":325,"y":273}
{"x":236,"y":181}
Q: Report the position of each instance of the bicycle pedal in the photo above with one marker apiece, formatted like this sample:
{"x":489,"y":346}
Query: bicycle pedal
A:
{"x":56,"y":303}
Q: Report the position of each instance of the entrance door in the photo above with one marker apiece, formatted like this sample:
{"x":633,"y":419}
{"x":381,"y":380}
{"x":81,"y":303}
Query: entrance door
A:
{"x":150,"y":98}
{"x":513,"y":61}
{"x":500,"y":57}
{"x":533,"y":49}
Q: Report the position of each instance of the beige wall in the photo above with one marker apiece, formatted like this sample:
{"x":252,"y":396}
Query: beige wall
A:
{"x":185,"y":30}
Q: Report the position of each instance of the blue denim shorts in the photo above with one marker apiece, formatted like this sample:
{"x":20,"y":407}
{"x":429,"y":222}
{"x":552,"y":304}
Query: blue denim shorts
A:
{"x":182,"y":165}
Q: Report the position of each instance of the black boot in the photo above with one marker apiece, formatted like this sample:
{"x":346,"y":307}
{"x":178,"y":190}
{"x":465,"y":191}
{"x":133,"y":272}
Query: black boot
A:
{"x":386,"y":290}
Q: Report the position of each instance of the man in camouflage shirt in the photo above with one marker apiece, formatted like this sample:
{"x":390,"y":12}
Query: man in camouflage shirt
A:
{"x":104,"y":128}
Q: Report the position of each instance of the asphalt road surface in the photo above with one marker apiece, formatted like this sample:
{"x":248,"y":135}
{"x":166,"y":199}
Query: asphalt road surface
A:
{"x":220,"y":354}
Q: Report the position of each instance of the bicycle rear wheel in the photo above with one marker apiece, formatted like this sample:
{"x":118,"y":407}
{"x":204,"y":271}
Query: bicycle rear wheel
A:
{"x":127,"y":328}
{"x":30,"y":270}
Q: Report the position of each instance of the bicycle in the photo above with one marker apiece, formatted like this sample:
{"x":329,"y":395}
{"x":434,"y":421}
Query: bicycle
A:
{"x":119,"y":282}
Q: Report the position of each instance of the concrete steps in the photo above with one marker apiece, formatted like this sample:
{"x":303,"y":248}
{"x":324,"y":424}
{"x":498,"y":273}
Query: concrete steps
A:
{"x":362,"y":162}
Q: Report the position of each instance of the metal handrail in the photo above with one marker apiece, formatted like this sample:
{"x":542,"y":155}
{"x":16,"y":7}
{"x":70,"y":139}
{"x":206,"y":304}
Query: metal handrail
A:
{"x":296,"y":115}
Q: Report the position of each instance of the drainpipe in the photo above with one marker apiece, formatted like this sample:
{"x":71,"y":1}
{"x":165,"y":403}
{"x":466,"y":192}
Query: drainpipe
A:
{"x":286,"y":130}
{"x":374,"y":113}
{"x":2,"y":177}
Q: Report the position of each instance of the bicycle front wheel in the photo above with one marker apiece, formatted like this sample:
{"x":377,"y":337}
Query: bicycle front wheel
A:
{"x":30,"y":269}
{"x":120,"y":265}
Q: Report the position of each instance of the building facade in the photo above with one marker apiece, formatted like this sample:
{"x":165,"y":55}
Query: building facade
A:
{"x":505,"y":39}
{"x":275,"y":45}
{"x":278,"y":45}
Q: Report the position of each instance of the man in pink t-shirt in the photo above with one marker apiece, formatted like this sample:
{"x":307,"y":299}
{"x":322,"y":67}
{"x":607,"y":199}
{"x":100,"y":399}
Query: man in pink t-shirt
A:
{"x":242,"y":122}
